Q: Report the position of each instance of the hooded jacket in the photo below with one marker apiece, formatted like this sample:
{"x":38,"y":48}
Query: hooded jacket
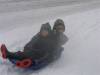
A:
{"x":60,"y":38}
{"x":40,"y":46}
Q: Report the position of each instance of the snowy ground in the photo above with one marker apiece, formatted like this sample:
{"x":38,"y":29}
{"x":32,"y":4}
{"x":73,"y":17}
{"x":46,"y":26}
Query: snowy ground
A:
{"x":81,"y":55}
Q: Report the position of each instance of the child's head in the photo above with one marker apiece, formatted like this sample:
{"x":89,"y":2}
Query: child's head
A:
{"x":59,"y":26}
{"x":45,"y":30}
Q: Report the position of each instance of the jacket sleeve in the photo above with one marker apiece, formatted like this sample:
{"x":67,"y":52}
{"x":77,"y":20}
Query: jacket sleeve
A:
{"x":30,"y":44}
{"x":63,"y":39}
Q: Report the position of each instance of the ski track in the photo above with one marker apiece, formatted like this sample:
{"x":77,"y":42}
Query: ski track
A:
{"x":82,"y":52}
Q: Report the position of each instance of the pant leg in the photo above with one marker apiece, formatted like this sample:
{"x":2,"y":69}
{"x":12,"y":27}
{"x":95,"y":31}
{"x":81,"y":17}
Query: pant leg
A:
{"x":17,"y":55}
{"x":33,"y":54}
{"x":22,"y":55}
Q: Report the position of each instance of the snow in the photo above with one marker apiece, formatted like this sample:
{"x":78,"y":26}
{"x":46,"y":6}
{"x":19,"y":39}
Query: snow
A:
{"x":81,"y":55}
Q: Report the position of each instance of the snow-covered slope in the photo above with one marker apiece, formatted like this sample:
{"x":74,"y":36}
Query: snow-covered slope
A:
{"x":24,"y":5}
{"x":81,"y":55}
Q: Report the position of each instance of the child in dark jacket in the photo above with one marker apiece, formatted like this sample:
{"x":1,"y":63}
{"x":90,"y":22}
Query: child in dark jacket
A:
{"x":59,"y":37}
{"x":36,"y":48}
{"x":44,"y":46}
{"x":58,"y":32}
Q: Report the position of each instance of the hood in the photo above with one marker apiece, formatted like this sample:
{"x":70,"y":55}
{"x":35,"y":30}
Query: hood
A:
{"x":59,"y":22}
{"x":45,"y":27}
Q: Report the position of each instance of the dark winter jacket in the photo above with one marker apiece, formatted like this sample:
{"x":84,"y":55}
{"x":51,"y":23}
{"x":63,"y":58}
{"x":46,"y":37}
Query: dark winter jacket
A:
{"x":39,"y":46}
{"x":38,"y":38}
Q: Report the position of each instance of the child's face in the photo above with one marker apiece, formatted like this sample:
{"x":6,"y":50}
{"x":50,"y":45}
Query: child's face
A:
{"x":44,"y":33}
{"x":60,"y":29}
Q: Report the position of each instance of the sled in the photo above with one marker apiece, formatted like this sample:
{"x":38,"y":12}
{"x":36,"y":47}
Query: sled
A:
{"x":25,"y":63}
{"x":28,"y":63}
